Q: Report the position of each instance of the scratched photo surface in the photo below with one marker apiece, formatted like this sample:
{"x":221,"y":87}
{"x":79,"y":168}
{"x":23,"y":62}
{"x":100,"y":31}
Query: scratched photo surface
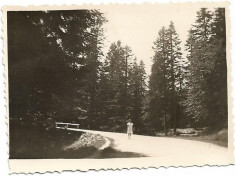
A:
{"x":111,"y":82}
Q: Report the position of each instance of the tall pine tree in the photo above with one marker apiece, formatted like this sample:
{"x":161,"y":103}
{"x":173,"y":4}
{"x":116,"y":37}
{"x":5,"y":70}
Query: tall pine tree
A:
{"x":158,"y":93}
{"x":207,"y":95}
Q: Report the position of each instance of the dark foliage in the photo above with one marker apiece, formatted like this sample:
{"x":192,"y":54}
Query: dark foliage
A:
{"x":58,"y":72}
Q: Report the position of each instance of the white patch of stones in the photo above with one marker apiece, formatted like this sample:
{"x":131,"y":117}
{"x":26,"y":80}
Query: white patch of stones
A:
{"x":87,"y":140}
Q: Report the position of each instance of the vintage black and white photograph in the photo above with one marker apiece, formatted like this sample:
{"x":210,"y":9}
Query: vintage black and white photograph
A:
{"x":119,"y":81}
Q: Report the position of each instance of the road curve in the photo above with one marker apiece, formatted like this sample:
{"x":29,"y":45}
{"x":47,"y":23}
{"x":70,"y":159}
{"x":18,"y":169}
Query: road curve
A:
{"x":166,"y":148}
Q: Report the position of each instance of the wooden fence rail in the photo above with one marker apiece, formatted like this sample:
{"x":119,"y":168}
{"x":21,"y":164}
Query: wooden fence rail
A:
{"x":66,"y":125}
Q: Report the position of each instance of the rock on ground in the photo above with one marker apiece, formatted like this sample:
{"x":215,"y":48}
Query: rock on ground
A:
{"x":87,"y":140}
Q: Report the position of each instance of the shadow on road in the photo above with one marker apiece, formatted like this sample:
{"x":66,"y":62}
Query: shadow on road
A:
{"x":112,"y":153}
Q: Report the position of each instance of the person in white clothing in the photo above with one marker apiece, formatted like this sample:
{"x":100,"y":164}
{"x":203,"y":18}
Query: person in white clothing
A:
{"x":129,"y":128}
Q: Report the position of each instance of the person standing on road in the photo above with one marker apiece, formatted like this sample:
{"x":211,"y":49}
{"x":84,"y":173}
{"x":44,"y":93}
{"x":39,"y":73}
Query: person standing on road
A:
{"x":129,"y":128}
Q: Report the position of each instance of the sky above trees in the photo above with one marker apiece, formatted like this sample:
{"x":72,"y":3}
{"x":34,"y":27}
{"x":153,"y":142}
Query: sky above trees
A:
{"x":138,"y":26}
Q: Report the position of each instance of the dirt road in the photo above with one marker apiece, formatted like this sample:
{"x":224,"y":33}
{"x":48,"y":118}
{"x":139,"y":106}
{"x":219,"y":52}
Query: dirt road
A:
{"x":167,"y":148}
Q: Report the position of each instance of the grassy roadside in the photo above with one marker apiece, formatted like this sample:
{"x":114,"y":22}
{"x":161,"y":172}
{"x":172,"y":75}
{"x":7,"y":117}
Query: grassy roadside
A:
{"x":219,"y":138}
{"x":34,"y":143}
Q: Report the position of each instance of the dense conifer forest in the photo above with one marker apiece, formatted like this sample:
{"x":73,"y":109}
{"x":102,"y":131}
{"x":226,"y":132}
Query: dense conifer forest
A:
{"x":58,"y":72}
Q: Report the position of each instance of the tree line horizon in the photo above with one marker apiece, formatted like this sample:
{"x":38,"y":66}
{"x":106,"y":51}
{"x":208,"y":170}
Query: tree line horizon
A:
{"x":59,"y":72}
